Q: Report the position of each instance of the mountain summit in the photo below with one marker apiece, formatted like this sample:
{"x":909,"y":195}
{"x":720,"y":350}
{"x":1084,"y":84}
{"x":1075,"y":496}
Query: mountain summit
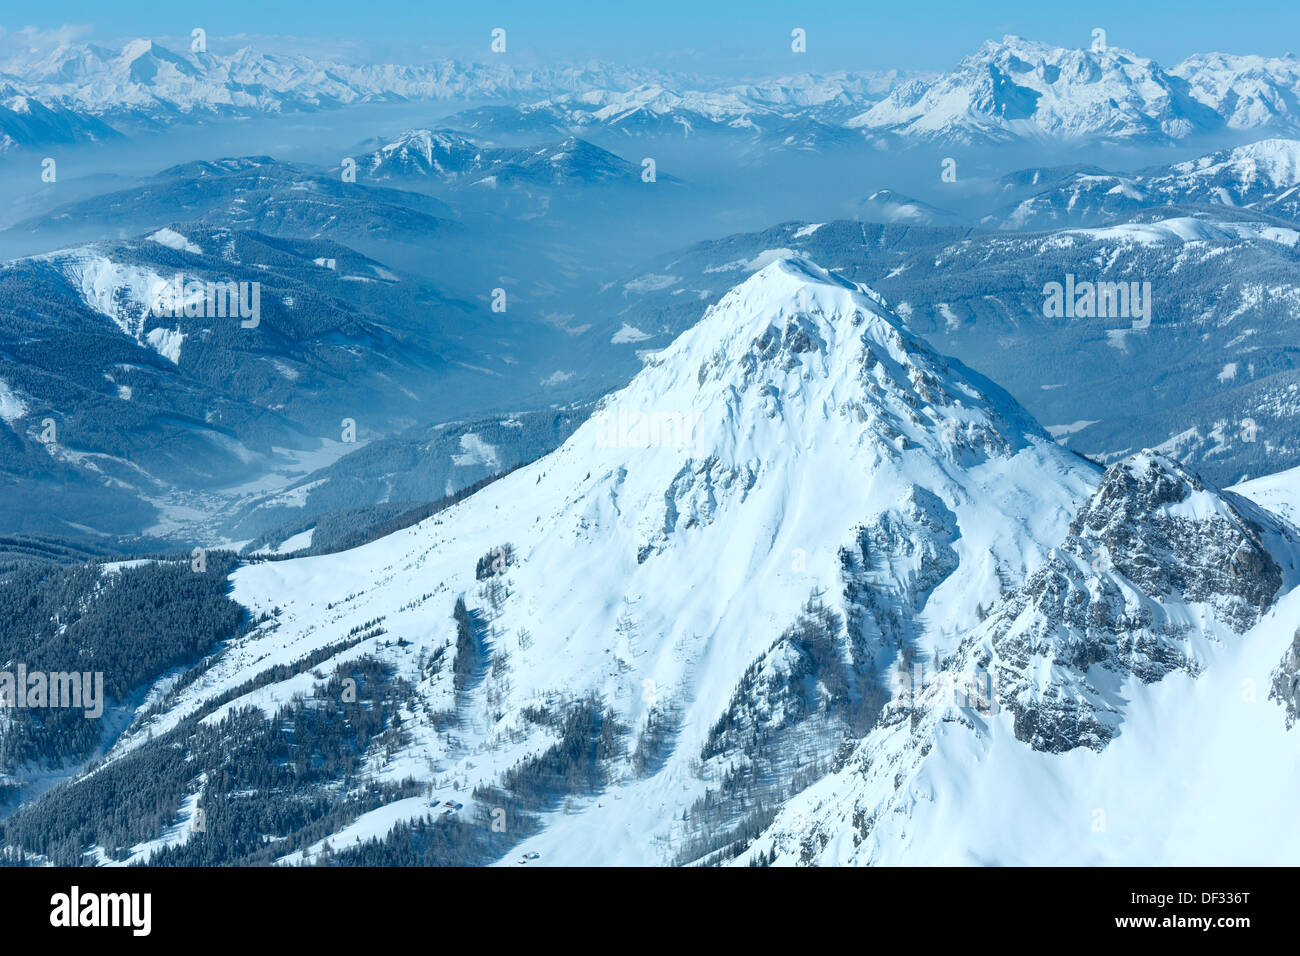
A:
{"x":1016,"y":88}
{"x":803,"y":591}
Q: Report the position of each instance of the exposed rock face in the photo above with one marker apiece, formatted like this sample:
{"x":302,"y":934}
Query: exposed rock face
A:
{"x":1169,"y":551}
{"x":1152,"y":538}
{"x":1286,"y":682}
{"x":920,"y":530}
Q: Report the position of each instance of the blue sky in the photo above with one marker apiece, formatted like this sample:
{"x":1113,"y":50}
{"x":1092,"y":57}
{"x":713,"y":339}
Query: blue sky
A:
{"x":720,"y":35}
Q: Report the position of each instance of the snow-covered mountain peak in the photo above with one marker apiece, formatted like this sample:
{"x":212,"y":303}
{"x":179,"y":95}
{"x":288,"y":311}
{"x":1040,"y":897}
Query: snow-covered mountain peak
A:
{"x":1021,"y":88}
{"x":1155,"y":565}
{"x":134,"y":49}
{"x":1245,"y":170}
{"x":790,"y":307}
{"x":803,"y":356}
{"x":424,"y":151}
{"x":1178,"y":539}
{"x":792,"y":500}
{"x":796,"y":407}
{"x":1150,"y":477}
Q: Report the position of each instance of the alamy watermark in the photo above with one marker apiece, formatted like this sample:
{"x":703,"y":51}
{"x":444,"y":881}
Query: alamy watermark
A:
{"x":79,"y":690}
{"x":195,"y":299}
{"x":621,"y":427}
{"x":129,"y":910}
{"x":1101,"y":300}
{"x":922,"y":690}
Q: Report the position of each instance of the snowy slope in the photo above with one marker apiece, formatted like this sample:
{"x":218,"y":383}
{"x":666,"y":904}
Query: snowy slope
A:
{"x":1016,"y":88}
{"x":1261,"y":176}
{"x":1279,"y":493}
{"x":641,"y":558}
{"x":1180,"y":655}
{"x":1203,"y":775}
{"x":792,"y":504}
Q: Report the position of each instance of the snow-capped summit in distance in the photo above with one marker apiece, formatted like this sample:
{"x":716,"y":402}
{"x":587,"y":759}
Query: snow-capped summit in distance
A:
{"x":1020,"y":89}
{"x":1263,"y":177}
{"x":448,"y":157}
{"x":1249,"y":92}
{"x":1016,"y":89}
{"x":1010,"y":89}
{"x":145,"y":84}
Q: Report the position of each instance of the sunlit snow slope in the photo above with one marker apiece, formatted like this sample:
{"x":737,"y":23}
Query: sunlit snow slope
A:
{"x":739,"y":553}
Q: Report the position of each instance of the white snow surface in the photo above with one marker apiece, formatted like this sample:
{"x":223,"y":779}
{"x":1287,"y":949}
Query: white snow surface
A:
{"x":1279,"y":493}
{"x":12,"y":405}
{"x":124,"y":293}
{"x":174,"y":240}
{"x":659,"y":574}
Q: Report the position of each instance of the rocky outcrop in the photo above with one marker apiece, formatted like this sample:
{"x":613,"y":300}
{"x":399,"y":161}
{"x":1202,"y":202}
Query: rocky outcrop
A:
{"x":1286,"y":682}
{"x":1153,"y":537}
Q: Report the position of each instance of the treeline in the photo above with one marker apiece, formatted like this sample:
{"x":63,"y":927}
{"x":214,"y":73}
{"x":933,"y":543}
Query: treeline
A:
{"x":803,"y":673}
{"x":133,"y":624}
{"x":267,"y":785}
{"x":590,"y":737}
{"x":445,"y":840}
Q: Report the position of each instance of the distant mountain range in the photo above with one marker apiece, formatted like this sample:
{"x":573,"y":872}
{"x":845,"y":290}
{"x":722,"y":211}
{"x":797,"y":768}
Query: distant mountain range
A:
{"x":1225,"y":223}
{"x":97,"y":92}
{"x":1016,"y":89}
{"x":1212,"y":379}
{"x":780,"y":115}
{"x":1263,"y":176}
{"x":1012,"y":90}
{"x":1009,"y":90}
{"x":135,"y":415}
{"x":452,"y":159}
{"x":145,"y":84}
